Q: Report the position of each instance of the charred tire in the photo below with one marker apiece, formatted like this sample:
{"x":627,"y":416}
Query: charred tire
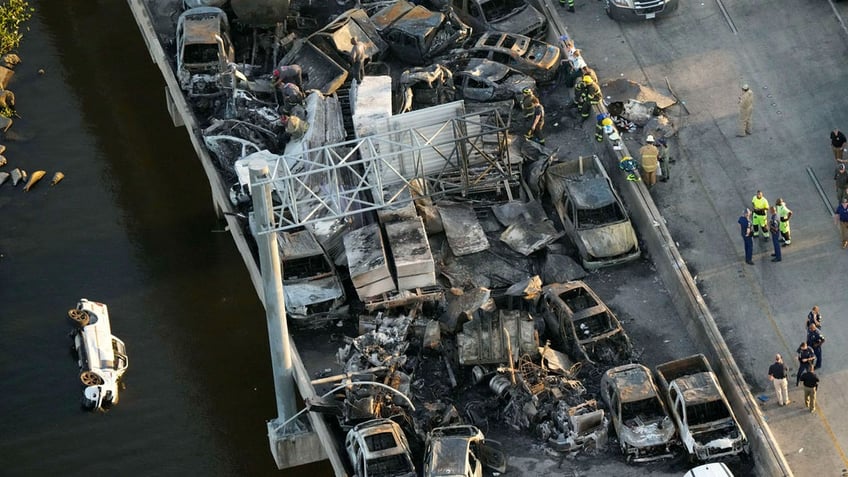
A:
{"x":90,"y":378}
{"x":80,"y":317}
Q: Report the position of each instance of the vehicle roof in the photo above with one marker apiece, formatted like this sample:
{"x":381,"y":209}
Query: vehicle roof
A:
{"x":405,"y":16}
{"x":699,"y":387}
{"x":590,"y":192}
{"x":633,"y":381}
{"x":449,"y":455}
{"x":483,"y":68}
{"x":298,"y":244}
{"x":495,"y":41}
{"x":200,"y":25}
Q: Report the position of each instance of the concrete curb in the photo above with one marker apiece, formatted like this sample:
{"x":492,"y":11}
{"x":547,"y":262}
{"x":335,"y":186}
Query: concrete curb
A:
{"x":687,"y":299}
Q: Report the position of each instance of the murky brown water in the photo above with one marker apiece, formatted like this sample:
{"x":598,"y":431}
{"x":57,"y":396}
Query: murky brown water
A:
{"x":131,"y":225}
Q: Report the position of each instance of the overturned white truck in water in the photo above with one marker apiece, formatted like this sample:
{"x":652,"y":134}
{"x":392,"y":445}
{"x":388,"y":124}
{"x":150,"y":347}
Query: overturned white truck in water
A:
{"x":707,"y":426}
{"x":101,"y":356}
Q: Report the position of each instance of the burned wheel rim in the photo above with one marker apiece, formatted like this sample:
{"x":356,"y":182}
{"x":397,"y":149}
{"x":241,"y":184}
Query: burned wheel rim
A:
{"x":90,"y":378}
{"x":80,"y":317}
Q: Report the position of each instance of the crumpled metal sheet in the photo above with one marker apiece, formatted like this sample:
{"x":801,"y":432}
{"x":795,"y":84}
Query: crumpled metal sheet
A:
{"x":623,"y":89}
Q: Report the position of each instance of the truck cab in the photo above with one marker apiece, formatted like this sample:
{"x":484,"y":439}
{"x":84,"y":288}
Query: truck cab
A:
{"x":102,"y":357}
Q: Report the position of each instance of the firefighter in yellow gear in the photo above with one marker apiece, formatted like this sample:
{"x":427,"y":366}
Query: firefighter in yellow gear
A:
{"x":784,"y":214}
{"x":527,"y":102}
{"x":760,"y":206}
{"x":586,"y":94}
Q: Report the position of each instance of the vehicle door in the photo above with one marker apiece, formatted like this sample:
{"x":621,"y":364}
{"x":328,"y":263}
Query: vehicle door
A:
{"x":491,"y":455}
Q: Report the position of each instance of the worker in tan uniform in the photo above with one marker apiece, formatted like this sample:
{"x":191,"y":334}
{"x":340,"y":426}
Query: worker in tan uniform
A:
{"x":746,"y":111}
{"x":649,"y":155}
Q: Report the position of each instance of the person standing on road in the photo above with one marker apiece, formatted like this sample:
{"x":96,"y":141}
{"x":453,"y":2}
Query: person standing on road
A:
{"x":745,"y":226}
{"x":814,"y":318}
{"x":811,"y":386}
{"x":570,"y":5}
{"x":774,"y":228}
{"x":357,"y":59}
{"x":815,"y":340}
{"x":837,"y":143}
{"x":841,"y":216}
{"x":761,"y":207}
{"x":649,"y":155}
{"x":664,"y":159}
{"x":527,"y":98}
{"x":777,"y":375}
{"x":746,"y":111}
{"x":806,"y":360}
{"x":840,"y":179}
{"x":784,"y":214}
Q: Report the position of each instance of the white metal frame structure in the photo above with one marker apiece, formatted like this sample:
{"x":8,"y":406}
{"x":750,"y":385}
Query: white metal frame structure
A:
{"x":461,"y":155}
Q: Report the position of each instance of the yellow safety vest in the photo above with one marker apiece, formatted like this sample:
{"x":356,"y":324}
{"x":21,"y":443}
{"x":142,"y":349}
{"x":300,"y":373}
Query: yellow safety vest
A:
{"x":760,"y":205}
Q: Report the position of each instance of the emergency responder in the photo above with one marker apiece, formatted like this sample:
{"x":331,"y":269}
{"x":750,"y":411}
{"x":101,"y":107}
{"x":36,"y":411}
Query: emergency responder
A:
{"x":840,"y":178}
{"x":586,"y":94}
{"x":746,"y":111}
{"x":665,"y":162}
{"x":745,"y":227}
{"x":586,"y":71}
{"x":292,"y":96}
{"x":357,"y":59}
{"x":631,"y":167}
{"x":535,"y":131}
{"x":602,"y":121}
{"x":288,"y":74}
{"x":774,"y":227}
{"x":527,"y":102}
{"x":784,"y":214}
{"x":649,"y":156}
{"x":295,"y":127}
{"x":761,"y":207}
{"x":837,"y":143}
{"x":562,"y":3}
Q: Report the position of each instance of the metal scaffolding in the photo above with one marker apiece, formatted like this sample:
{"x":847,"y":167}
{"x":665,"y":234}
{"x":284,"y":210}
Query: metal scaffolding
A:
{"x":460,"y":155}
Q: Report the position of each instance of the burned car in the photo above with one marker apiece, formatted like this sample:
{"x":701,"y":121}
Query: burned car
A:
{"x":204,"y":51}
{"x":508,"y":16}
{"x":644,"y":429}
{"x":592,"y":214}
{"x":460,"y":451}
{"x":311,"y":283}
{"x":531,"y":57}
{"x":416,"y":34}
{"x":378,"y":448}
{"x":485,"y":80}
{"x":584,"y":326}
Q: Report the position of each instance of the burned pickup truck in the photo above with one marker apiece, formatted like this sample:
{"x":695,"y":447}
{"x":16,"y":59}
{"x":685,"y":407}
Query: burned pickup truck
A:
{"x":587,"y":329}
{"x":708,"y":428}
{"x":644,"y":429}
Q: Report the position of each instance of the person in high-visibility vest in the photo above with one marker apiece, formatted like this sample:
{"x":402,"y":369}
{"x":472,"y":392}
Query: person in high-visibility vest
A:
{"x":761,"y":207}
{"x":785,"y":214}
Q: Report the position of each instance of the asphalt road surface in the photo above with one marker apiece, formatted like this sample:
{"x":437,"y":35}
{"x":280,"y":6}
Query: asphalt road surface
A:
{"x":792,"y":54}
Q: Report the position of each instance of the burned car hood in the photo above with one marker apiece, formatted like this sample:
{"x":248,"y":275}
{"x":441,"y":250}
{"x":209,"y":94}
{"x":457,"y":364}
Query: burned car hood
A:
{"x":608,"y":240}
{"x":656,"y":433}
{"x":311,"y":292}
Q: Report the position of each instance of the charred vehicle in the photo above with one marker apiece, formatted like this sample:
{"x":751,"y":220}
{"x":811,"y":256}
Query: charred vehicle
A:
{"x":416,"y":34}
{"x":639,"y":9}
{"x":585,"y":327}
{"x":639,"y":416}
{"x":204,"y":51}
{"x":708,"y":428}
{"x":310,"y":282}
{"x":592,"y":214}
{"x":531,"y":57}
{"x":378,"y":448}
{"x":460,"y":451}
{"x":485,"y":80}
{"x":507,"y":16}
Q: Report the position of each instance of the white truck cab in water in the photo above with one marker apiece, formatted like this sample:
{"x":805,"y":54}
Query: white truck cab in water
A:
{"x":102,"y":357}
